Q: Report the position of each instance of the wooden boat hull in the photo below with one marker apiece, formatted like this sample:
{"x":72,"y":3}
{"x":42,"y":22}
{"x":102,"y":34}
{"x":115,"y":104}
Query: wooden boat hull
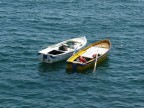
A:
{"x":72,"y":65}
{"x":82,"y":67}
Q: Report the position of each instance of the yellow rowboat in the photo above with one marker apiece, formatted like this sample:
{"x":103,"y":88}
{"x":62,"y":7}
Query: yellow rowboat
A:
{"x":85,"y":58}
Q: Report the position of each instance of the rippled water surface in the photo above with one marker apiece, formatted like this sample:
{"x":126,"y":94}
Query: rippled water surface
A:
{"x":26,"y":26}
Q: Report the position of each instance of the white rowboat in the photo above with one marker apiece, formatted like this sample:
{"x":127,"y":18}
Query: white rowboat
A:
{"x":62,"y":50}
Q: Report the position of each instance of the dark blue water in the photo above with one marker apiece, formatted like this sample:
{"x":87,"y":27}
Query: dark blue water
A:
{"x":28,"y":25}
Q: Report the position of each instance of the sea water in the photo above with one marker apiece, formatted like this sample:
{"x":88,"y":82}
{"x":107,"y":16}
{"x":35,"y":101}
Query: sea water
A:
{"x":27,"y":26}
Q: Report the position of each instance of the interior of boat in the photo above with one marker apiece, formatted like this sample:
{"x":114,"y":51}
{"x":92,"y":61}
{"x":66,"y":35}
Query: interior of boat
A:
{"x":90,"y":54}
{"x":56,"y":52}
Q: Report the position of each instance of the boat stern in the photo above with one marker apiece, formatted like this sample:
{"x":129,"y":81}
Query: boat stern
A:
{"x":45,"y":58}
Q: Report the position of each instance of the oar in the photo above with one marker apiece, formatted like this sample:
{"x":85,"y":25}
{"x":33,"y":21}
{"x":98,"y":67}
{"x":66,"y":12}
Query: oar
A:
{"x":95,"y":64}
